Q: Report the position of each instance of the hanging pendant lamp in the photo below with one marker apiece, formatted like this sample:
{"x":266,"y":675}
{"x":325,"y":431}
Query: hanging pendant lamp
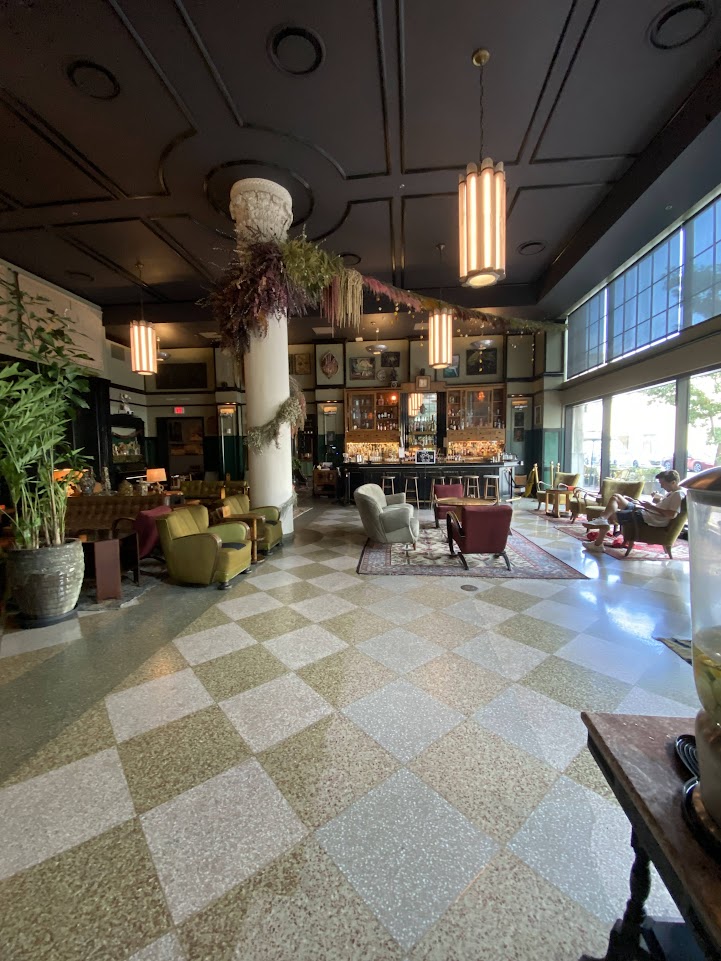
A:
{"x":482,"y":213}
{"x":143,"y":340}
{"x":415,"y":402}
{"x":440,"y":329}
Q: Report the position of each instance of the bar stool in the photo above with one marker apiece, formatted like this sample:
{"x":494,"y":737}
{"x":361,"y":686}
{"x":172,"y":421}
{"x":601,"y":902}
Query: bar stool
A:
{"x":457,"y":479}
{"x":411,"y":489}
{"x":491,"y":487}
{"x":435,"y":479}
{"x":473,"y":486}
{"x":388,"y":479}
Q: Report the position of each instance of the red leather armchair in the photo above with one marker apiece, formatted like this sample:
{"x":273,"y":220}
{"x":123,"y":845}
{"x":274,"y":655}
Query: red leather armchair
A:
{"x":442,"y":492}
{"x":481,"y":530}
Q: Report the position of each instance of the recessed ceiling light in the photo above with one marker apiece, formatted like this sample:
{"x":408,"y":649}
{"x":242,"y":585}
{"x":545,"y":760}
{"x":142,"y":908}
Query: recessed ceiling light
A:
{"x":296,"y":50}
{"x":531,"y":247}
{"x":349,"y":259}
{"x":679,"y":24}
{"x":93,"y":80}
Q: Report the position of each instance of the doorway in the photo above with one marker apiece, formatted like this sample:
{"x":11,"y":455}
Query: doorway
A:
{"x":180,"y":444}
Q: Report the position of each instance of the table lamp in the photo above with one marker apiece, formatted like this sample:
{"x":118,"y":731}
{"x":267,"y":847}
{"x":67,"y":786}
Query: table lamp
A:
{"x":156,"y":476}
{"x":704,"y":545}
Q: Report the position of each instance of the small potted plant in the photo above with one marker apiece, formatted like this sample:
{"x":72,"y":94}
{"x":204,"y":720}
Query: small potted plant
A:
{"x":39,"y":396}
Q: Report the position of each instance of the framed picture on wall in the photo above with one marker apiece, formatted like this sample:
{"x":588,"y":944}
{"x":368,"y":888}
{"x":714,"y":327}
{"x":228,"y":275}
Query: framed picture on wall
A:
{"x":518,"y":435}
{"x":423,"y":382}
{"x":362,"y":368}
{"x":519,"y":418}
{"x":329,"y":365}
{"x":300,"y":364}
{"x":391,"y":358}
{"x":483,"y":361}
{"x":537,"y":419}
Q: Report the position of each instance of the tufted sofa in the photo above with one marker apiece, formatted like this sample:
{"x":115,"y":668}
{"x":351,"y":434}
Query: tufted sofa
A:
{"x":98,"y":512}
{"x":211,"y":493}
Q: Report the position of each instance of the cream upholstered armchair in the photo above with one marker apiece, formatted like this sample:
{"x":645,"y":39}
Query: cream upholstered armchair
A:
{"x":386,"y":519}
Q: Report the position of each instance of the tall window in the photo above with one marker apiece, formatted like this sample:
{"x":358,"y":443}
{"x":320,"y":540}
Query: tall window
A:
{"x":643,"y":426}
{"x":703,"y":274}
{"x":644,"y":301}
{"x":587,"y":335}
{"x":704,"y":421}
{"x":586,"y":424}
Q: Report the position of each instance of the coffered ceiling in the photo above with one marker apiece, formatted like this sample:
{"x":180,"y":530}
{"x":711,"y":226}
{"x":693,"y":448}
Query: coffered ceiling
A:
{"x":126,"y":122}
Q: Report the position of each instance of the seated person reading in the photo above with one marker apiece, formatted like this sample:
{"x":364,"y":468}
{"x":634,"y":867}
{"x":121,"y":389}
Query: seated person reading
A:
{"x":658,"y":511}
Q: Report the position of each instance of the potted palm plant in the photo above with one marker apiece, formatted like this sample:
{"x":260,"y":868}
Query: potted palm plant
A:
{"x":39,"y":396}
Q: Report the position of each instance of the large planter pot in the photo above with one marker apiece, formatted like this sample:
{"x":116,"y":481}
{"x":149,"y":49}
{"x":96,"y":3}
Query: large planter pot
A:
{"x":46,"y":583}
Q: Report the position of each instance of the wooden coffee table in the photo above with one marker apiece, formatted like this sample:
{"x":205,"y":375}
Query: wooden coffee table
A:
{"x":554,"y":497}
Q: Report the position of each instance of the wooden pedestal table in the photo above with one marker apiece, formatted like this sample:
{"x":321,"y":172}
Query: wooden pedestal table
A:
{"x":637,"y":757}
{"x":554,"y":496}
{"x":106,"y":557}
{"x":252,"y":521}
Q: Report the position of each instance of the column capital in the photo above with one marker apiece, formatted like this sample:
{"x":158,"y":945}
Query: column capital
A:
{"x":261,"y":209}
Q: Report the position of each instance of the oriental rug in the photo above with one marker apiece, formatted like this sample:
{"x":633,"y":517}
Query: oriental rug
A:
{"x":614,"y":546}
{"x":432,"y":556}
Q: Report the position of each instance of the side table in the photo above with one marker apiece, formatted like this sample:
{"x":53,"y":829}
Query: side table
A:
{"x":252,"y":521}
{"x":554,"y":497}
{"x":637,"y":757}
{"x":106,"y":557}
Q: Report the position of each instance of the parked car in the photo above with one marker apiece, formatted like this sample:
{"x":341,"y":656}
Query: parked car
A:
{"x":693,"y":464}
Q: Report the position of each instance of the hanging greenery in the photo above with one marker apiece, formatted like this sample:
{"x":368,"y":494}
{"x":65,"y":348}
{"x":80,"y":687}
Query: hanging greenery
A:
{"x":269,"y":278}
{"x":291,"y":411}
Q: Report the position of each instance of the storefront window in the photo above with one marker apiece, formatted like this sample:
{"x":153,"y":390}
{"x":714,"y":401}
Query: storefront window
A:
{"x":586,"y":423}
{"x":643,"y":426}
{"x":704,"y":422}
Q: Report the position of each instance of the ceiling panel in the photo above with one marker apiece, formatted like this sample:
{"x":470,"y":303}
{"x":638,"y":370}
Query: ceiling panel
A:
{"x":366,"y":232}
{"x":614,"y":105}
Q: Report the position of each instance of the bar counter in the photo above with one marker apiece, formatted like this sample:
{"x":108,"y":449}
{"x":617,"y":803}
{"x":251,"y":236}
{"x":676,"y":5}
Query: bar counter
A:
{"x":373,"y":474}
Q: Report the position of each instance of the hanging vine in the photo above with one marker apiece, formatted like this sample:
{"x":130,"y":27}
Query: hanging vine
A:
{"x":291,"y":411}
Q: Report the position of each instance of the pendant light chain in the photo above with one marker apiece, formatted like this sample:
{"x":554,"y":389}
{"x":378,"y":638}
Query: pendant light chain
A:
{"x":481,"y":114}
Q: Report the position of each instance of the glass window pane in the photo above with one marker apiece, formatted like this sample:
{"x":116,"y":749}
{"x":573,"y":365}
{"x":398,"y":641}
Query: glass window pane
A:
{"x":642,"y":446}
{"x":585,"y":426}
{"x":704,"y":436}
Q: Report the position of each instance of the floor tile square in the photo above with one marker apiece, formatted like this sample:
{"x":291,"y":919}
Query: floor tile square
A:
{"x":460,"y":685}
{"x":399,"y":610}
{"x":343,"y":562}
{"x":290,"y":561}
{"x":536,"y":633}
{"x":459,"y":767}
{"x":166,"y":660}
{"x":50,"y":813}
{"x":573,"y":819}
{"x":157,"y":702}
{"x":358,"y":625}
{"x":166,"y":948}
{"x":345,"y":677}
{"x":322,"y":770}
{"x":606,"y":657}
{"x":277,"y":579}
{"x":291,"y":593}
{"x":480,"y":615}
{"x":304,"y":646}
{"x":365,"y":594}
{"x":263,"y":627}
{"x":268,"y":714}
{"x":584,"y":770}
{"x":230,"y":826}
{"x":37,"y":638}
{"x":316,"y":569}
{"x":213,"y":617}
{"x":640,"y":701}
{"x":502,"y":655}
{"x":403,"y":719}
{"x":572,"y":618}
{"x":335,"y":581}
{"x":510,"y":600}
{"x":171,"y":759}
{"x":321,"y":608}
{"x":441,"y":628}
{"x":101,"y":899}
{"x":214,"y":642}
{"x":234,"y":673}
{"x":400,"y":650}
{"x":241,"y":607}
{"x":576,"y":686}
{"x":407,"y":852}
{"x":431,"y":595}
{"x":544,"y":728}
{"x":282,"y":914}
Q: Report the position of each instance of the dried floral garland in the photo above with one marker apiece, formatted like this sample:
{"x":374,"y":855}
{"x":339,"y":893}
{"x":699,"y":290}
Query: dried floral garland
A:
{"x":269,"y":278}
{"x":291,"y":411}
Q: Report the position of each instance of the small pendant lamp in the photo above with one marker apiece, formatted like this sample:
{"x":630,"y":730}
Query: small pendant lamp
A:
{"x":143,"y":340}
{"x":440,"y":330}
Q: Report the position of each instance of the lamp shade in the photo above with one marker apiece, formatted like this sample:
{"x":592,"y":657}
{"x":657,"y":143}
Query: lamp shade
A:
{"x":156,"y":475}
{"x":440,"y":339}
{"x":415,"y":402}
{"x":482,"y":224}
{"x":143,"y":348}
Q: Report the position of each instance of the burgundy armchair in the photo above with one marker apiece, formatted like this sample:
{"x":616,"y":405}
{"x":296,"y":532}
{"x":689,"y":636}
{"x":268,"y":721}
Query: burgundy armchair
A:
{"x":443,"y":492}
{"x":481,"y":530}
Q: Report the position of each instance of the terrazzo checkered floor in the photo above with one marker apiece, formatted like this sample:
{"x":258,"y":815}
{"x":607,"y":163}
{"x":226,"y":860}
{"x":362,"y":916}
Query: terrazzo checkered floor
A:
{"x":318,"y":765}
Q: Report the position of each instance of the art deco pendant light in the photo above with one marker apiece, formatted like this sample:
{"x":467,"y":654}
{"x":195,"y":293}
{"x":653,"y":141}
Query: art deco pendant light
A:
{"x":482,"y":213}
{"x":440,"y":330}
{"x":143,"y":340}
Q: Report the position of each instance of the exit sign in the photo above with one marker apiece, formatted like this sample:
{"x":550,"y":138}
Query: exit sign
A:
{"x":178,"y":410}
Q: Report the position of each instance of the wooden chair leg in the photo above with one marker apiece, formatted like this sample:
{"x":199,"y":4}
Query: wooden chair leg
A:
{"x":629,"y":548}
{"x":504,"y":555}
{"x":463,"y":560}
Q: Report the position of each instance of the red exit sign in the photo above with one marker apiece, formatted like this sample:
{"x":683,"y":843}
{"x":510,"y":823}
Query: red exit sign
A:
{"x":178,"y":410}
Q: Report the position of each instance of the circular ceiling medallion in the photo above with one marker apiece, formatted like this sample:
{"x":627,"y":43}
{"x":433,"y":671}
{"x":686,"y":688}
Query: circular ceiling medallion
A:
{"x":349,"y":259}
{"x":296,"y":50}
{"x":93,"y":80}
{"x":531,"y":247}
{"x":679,"y":24}
{"x":219,"y":181}
{"x":80,"y":276}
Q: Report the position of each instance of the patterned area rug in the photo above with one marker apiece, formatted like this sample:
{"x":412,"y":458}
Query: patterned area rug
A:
{"x":680,"y":646}
{"x":613,"y":546}
{"x":431,"y":556}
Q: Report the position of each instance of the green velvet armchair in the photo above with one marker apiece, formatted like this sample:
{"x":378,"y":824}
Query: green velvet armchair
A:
{"x":594,"y":504}
{"x":666,"y":537}
{"x":270,"y":530}
{"x":196,"y":553}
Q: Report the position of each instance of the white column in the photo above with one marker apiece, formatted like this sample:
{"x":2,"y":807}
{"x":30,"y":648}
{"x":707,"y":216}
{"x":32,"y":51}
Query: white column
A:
{"x":262,"y":210}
